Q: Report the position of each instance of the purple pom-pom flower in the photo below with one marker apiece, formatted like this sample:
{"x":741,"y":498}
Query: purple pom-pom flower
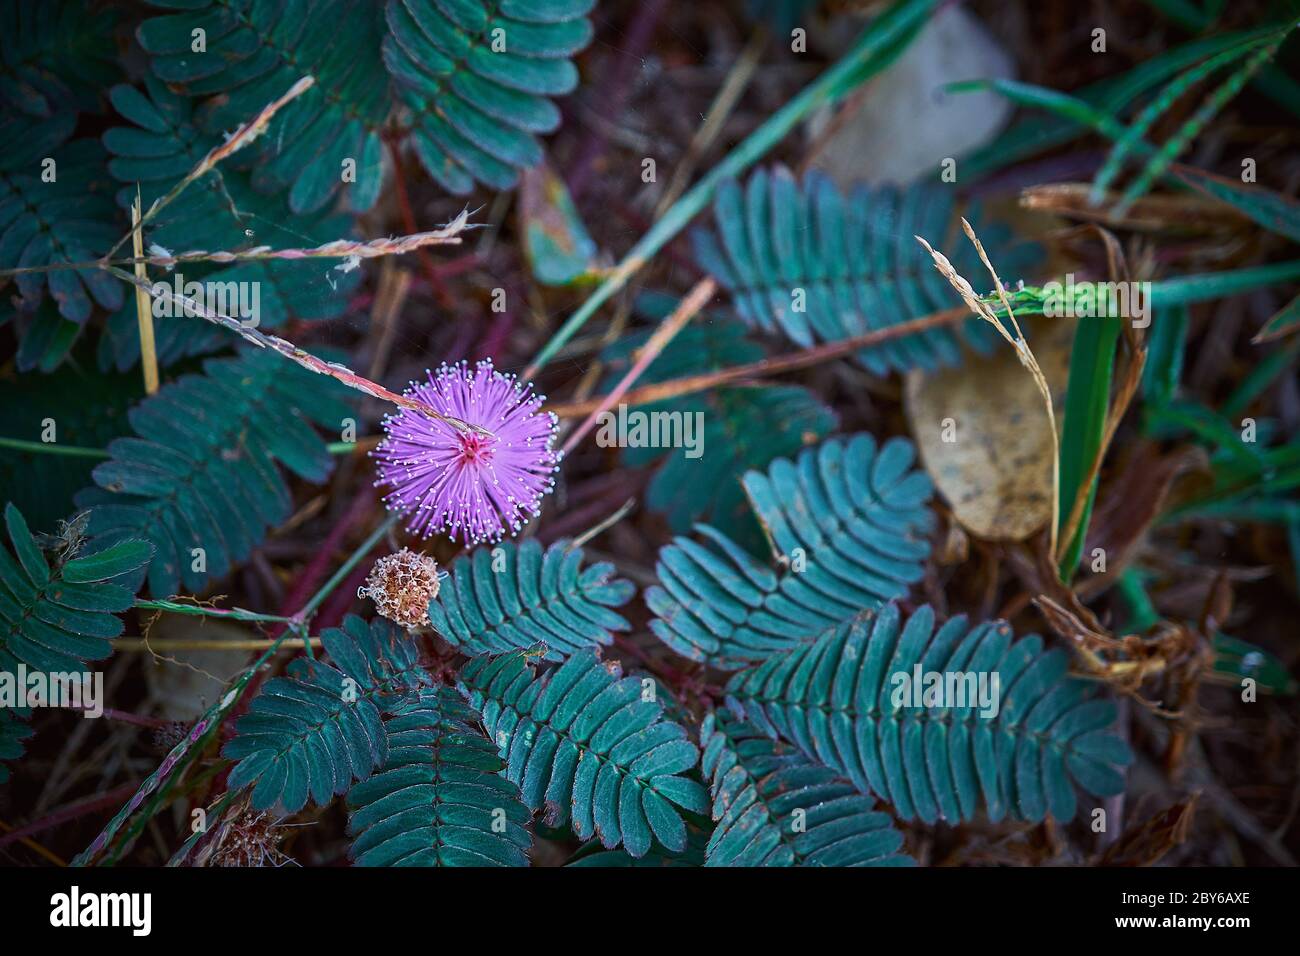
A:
{"x":463,"y":482}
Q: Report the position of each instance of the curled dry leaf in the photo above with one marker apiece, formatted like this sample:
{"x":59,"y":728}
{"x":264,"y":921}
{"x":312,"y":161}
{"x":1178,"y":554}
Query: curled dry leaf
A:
{"x":1145,"y":843}
{"x":984,"y":435}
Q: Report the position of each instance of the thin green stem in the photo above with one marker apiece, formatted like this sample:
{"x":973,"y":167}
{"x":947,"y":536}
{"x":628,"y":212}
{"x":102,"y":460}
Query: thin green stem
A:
{"x":194,"y":610}
{"x":52,"y":448}
{"x":344,"y":569}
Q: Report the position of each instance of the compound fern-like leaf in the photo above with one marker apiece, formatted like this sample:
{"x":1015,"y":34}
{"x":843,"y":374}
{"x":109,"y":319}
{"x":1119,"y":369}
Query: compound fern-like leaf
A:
{"x":255,"y":50}
{"x":936,"y":721}
{"x":850,"y":523}
{"x":775,"y":807}
{"x":54,"y":616}
{"x":512,"y":597}
{"x":54,"y":59}
{"x":439,"y":800}
{"x":200,"y":482}
{"x":589,"y":746}
{"x":221,"y":211}
{"x":811,"y":264}
{"x":477,"y":76}
{"x":70,"y":218}
{"x":312,"y":733}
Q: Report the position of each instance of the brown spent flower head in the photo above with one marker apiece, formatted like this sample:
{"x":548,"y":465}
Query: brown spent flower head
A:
{"x":402,"y":585}
{"x":252,"y":839}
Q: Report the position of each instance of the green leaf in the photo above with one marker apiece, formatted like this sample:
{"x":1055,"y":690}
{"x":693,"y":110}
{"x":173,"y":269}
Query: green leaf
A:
{"x":1106,"y":99}
{"x":1284,"y":323}
{"x":13,"y":731}
{"x":1259,"y":378}
{"x":54,"y":59}
{"x":48,"y":623}
{"x":588,"y":746}
{"x":68,"y":219}
{"x":200,"y":482}
{"x":850,"y":701}
{"x":47,"y":340}
{"x":477,"y":77}
{"x":258,"y":51}
{"x":438,"y":801}
{"x":592,"y":854}
{"x":119,"y":559}
{"x":1191,"y":128}
{"x":775,"y":807}
{"x":1273,"y":211}
{"x":311,"y":733}
{"x":1166,"y":343}
{"x":1160,"y":105}
{"x":808,"y":263}
{"x":1087,"y":401}
{"x":848,"y":521}
{"x":556,"y":241}
{"x":1239,"y":660}
{"x":512,"y":596}
{"x":1184,"y":290}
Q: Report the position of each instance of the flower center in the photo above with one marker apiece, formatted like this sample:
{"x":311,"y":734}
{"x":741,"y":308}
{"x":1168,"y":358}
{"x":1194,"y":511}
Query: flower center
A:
{"x":475,"y":449}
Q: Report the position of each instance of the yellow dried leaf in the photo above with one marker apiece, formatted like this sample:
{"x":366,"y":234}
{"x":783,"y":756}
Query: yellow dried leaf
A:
{"x":984,"y":436}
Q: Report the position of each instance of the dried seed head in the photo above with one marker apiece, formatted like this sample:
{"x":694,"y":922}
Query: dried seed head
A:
{"x":253,"y":839}
{"x":402,"y":585}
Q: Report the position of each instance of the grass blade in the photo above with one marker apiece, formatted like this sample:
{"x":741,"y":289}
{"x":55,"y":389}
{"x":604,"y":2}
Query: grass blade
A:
{"x":1273,"y":211}
{"x":1174,"y":147}
{"x":1087,"y":400}
{"x":1285,"y":322}
{"x":1166,"y":98}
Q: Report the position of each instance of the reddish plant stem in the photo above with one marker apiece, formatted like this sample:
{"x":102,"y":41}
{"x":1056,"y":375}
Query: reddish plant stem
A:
{"x":313,"y":576}
{"x":495,"y":337}
{"x":126,"y":717}
{"x":805,"y":358}
{"x":72,"y":811}
{"x":408,"y":222}
{"x":458,"y":266}
{"x":498,"y":333}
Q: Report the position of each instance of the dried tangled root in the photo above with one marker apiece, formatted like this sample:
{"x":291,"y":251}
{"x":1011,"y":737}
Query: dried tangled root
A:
{"x":402,"y":585}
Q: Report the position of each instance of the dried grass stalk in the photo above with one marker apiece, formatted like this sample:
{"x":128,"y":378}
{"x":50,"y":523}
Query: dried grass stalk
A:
{"x":983,"y":310}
